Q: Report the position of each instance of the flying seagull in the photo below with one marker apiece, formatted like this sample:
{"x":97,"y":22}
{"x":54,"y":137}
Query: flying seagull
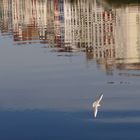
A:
{"x":96,"y":104}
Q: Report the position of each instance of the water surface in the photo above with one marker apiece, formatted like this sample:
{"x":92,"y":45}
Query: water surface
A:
{"x":56,"y":57}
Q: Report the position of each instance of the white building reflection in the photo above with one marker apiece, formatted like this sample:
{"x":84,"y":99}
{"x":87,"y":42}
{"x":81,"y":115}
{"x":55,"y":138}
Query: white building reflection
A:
{"x":109,"y":35}
{"x":88,"y":25}
{"x":127,"y":34}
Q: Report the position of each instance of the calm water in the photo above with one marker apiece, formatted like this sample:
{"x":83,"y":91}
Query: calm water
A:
{"x":56,"y":57}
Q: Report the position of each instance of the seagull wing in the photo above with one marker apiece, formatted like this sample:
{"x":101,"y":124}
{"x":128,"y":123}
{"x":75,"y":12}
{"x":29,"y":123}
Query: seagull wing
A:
{"x":100,"y":98}
{"x":95,"y":112}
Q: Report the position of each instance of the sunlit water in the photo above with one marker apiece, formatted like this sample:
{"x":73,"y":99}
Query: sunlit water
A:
{"x":57,"y":57}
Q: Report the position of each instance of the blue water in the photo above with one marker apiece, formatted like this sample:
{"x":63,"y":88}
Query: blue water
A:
{"x":47,"y":88}
{"x":63,"y":125}
{"x":46,"y":96}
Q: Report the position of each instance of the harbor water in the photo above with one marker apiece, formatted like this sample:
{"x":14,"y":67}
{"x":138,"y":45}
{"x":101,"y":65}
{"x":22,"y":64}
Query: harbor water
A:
{"x":57,"y":57}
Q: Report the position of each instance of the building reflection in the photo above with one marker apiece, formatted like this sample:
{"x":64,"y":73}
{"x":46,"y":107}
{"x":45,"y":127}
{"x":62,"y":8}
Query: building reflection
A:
{"x":5,"y":17}
{"x":108,"y":35}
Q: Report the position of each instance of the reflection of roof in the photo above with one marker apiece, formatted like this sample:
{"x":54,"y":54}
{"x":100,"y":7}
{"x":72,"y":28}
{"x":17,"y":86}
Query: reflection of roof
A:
{"x":131,"y":66}
{"x":111,"y":63}
{"x":122,"y":2}
{"x":28,"y":33}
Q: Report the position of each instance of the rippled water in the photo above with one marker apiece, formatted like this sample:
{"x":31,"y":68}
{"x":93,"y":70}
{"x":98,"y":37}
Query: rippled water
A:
{"x":56,"y":57}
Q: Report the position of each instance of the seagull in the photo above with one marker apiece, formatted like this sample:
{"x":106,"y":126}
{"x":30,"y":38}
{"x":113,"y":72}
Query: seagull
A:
{"x":96,"y":104}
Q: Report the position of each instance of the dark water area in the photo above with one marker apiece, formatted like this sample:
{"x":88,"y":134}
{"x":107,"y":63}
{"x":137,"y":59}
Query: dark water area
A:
{"x":53,"y":125}
{"x":57,"y":57}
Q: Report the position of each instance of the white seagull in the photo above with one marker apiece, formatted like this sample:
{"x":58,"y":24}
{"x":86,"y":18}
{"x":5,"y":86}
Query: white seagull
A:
{"x":96,"y":104}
